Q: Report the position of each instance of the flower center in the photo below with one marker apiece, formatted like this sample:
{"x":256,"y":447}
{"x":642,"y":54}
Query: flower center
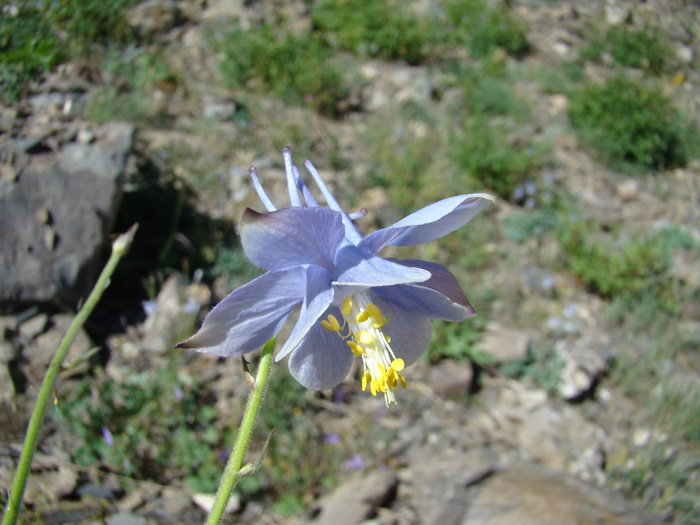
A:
{"x":361,"y":329}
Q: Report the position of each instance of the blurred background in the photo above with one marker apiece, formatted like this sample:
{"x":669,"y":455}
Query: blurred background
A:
{"x":574,"y":395}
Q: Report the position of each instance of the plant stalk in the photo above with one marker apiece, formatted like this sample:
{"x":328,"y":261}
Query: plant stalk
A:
{"x":14,"y":499}
{"x":233,"y":467}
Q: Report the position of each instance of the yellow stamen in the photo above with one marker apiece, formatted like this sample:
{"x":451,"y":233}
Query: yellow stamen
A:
{"x":362,"y":317}
{"x":373,"y":311}
{"x":403,"y":381}
{"x":356,"y":349}
{"x":347,"y":306}
{"x":397,"y":364}
{"x":331,"y":324}
{"x":365,"y":377}
{"x":364,"y":337}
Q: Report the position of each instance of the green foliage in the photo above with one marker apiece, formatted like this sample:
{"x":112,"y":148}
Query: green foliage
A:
{"x":161,"y":424}
{"x":520,"y":227}
{"x":484,"y":29}
{"x":459,"y":341}
{"x":300,"y":69}
{"x":37,"y":36}
{"x":541,"y":366}
{"x":490,"y":152}
{"x":630,"y":271}
{"x":374,"y":28}
{"x":234,"y":266}
{"x":493,"y":96}
{"x":28,"y":49}
{"x":641,"y":48}
{"x":632,"y":126}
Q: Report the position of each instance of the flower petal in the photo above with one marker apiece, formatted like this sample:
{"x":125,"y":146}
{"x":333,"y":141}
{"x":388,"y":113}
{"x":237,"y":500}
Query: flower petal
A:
{"x":291,"y":237}
{"x":250,"y":315}
{"x":359,"y":268}
{"x":322,"y":360}
{"x":440,"y":297}
{"x":410,"y":331}
{"x":429,"y":223}
{"x":319,"y":296}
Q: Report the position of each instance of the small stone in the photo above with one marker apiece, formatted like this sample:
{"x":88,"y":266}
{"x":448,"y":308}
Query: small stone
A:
{"x":615,"y":14}
{"x":505,"y":344}
{"x":31,"y":328}
{"x":628,"y":190}
{"x":557,"y":104}
{"x":561,"y":48}
{"x":206,"y":502}
{"x":684,"y":53}
{"x":127,"y":518}
{"x":85,"y":136}
{"x":7,"y":388}
{"x":7,"y":173}
{"x":641,"y":437}
{"x":450,"y":378}
{"x":356,"y":500}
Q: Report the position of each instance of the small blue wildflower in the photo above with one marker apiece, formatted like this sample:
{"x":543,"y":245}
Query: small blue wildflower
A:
{"x":108,"y":437}
{"x":356,"y":462}
{"x":353,"y":302}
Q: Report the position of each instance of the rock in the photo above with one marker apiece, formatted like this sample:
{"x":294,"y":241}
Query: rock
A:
{"x":450,"y":378}
{"x":585,"y":359}
{"x":355,"y":501}
{"x":527,"y":494}
{"x":38,"y":353}
{"x":7,"y":387}
{"x":171,"y":318}
{"x":437,"y":486}
{"x":505,"y":344}
{"x":616,"y":14}
{"x":128,"y":518}
{"x":206,"y":502}
{"x":80,"y":190}
{"x":628,"y":190}
{"x":31,"y":328}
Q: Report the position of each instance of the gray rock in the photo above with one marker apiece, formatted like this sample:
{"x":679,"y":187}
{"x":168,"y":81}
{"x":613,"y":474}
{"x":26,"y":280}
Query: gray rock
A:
{"x":585,"y":359}
{"x":54,"y":255}
{"x":356,"y":500}
{"x":527,"y":494}
{"x":505,"y":344}
{"x":450,"y":378}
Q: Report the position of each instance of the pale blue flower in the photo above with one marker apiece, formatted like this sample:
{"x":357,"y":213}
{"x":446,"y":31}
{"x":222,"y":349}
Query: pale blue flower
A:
{"x":353,"y":302}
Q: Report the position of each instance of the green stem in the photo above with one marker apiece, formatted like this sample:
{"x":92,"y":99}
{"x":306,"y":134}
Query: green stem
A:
{"x":14,"y":499}
{"x":235,"y":461}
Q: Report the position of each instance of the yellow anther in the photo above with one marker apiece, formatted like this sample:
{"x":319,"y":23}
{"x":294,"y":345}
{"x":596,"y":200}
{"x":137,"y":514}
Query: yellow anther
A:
{"x":362,"y":317}
{"x":364,"y":337}
{"x":365,"y":377}
{"x":381,"y":369}
{"x":373,"y":311}
{"x":388,"y":339}
{"x":373,"y":386}
{"x":347,"y":306}
{"x":381,"y":382}
{"x":379,"y":323}
{"x":397,"y":364}
{"x":331,"y":324}
{"x":356,"y":349}
{"x":403,"y":381}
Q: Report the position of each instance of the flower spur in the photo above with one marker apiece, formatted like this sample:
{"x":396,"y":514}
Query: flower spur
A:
{"x":353,"y":303}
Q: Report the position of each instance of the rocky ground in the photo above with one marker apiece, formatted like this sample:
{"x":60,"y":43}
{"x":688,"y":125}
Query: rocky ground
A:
{"x":547,"y":428}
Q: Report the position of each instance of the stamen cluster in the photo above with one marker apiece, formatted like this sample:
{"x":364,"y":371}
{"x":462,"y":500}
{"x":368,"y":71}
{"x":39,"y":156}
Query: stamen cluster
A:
{"x":361,"y":329}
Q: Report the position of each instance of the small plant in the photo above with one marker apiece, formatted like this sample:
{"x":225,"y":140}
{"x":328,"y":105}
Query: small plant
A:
{"x":459,"y":342}
{"x":374,"y":28}
{"x":484,"y":29}
{"x":640,"y":48}
{"x":632,"y":126}
{"x":298,"y":68}
{"x":491,"y":153}
{"x":541,"y":366}
{"x":151,"y":425}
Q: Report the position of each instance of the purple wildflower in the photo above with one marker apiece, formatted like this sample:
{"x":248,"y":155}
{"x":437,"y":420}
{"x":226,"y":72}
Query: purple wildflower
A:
{"x":107,"y":435}
{"x":353,"y":302}
{"x":356,"y":462}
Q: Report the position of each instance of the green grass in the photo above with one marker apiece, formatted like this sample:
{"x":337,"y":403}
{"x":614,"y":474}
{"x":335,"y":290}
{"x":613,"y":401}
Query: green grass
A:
{"x":375,"y":28}
{"x":40,"y":35}
{"x":632,"y":126}
{"x":162,"y":425}
{"x":300,"y":69}
{"x":484,"y":29}
{"x":642,"y":48}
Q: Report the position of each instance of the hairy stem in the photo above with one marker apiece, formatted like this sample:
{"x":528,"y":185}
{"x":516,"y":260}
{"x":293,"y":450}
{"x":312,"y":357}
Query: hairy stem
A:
{"x":233,"y":467}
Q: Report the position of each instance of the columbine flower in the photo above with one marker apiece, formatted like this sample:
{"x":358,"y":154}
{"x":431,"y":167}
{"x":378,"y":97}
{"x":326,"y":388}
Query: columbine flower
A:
{"x":354,"y":304}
